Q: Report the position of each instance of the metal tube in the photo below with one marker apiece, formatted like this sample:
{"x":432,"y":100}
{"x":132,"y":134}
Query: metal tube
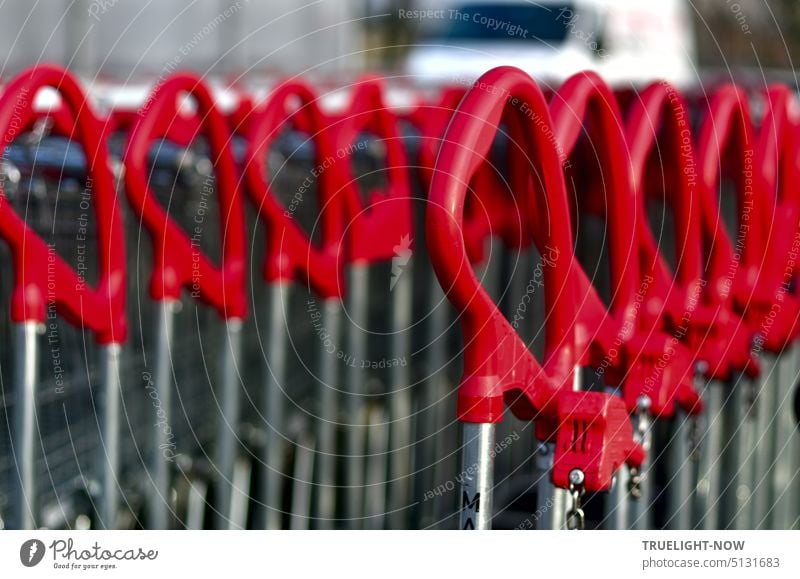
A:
{"x":766,"y":412}
{"x":681,"y":469}
{"x":25,"y":423}
{"x":302,"y":475}
{"x":227,"y":427}
{"x":618,"y":513}
{"x":275,"y":402}
{"x":737,"y":448}
{"x":400,"y":467}
{"x":477,"y":476}
{"x":158,"y":507}
{"x":551,"y":501}
{"x":706,"y":509}
{"x":684,"y":460}
{"x":195,"y":511}
{"x":112,"y":394}
{"x":357,"y":345}
{"x":375,"y":475}
{"x":559,"y":496}
{"x":434,"y":416}
{"x":240,"y":501}
{"x":785,"y":476}
{"x":328,"y":417}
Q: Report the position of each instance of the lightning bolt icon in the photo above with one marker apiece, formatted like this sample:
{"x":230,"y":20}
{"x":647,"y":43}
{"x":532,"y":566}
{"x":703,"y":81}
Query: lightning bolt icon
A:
{"x":34,"y":548}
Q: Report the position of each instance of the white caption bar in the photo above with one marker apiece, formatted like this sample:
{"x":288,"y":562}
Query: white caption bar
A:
{"x":398,"y":554}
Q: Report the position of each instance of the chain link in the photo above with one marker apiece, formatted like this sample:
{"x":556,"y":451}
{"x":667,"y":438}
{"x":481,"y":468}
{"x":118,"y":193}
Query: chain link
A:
{"x":576,"y":518}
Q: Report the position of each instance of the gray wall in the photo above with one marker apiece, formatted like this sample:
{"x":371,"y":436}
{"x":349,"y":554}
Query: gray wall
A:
{"x":140,"y":38}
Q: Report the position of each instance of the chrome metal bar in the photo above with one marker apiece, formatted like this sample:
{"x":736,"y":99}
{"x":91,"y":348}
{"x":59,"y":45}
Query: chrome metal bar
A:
{"x":25,"y":423}
{"x":477,"y":476}
{"x":158,"y":504}
{"x":111,"y":423}
{"x":400,"y":403}
{"x":357,"y":349}
{"x":328,"y":417}
{"x":275,"y":404}
{"x":228,"y":425}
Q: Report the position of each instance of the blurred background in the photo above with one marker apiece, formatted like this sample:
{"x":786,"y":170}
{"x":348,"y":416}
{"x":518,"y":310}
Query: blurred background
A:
{"x":628,"y":39}
{"x":131,"y":45}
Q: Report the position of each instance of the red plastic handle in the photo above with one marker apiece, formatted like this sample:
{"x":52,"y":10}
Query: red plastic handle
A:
{"x":727,"y":141}
{"x":496,"y":361}
{"x":374,"y":228}
{"x":41,"y":275}
{"x":497,"y":364}
{"x":661,"y":145}
{"x":614,"y":340}
{"x":290,"y":253}
{"x":489,"y":209}
{"x":667,"y":163}
{"x":775,"y":305}
{"x":178,"y":262}
{"x":431,"y":120}
{"x":241,"y":118}
{"x":662,"y":161}
{"x":726,"y":144}
{"x":585,"y":97}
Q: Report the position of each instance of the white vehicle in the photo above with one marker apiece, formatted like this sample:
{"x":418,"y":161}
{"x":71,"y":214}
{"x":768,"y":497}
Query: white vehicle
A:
{"x":627,"y":41}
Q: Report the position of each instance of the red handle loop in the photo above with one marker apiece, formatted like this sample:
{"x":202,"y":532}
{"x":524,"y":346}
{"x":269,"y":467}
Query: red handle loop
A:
{"x":290,"y":253}
{"x":495,"y":359}
{"x":632,"y":357}
{"x":59,"y":116}
{"x":774,"y":307}
{"x":586,"y":96}
{"x":662,"y":161}
{"x":374,"y":228}
{"x":41,"y":276}
{"x":241,"y":118}
{"x":489,"y":209}
{"x":496,"y":362}
{"x":726,"y":144}
{"x":431,"y":121}
{"x":178,"y":262}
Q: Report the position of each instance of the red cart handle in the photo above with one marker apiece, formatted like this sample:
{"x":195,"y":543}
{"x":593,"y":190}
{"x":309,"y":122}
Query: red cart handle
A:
{"x":431,"y":121}
{"x":586,"y":96}
{"x":489,"y":208}
{"x":632,"y":357}
{"x":41,"y":275}
{"x":374,"y":228}
{"x":240,"y":119}
{"x":495,"y":359}
{"x":713,"y":334}
{"x":497,"y":363}
{"x":178,"y":262}
{"x":290,"y":253}
{"x":670,"y":300}
{"x":774,"y":308}
{"x":727,"y":139}
{"x":672,"y":292}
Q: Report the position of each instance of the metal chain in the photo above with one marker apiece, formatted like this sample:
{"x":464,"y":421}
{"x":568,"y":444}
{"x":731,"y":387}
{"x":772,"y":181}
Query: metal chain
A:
{"x":576,"y":518}
{"x":642,"y":426}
